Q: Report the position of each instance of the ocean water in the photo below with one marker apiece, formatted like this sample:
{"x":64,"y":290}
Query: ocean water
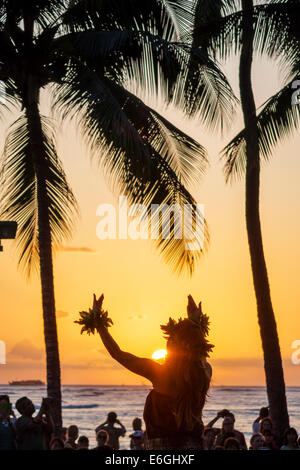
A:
{"x":87,"y":405}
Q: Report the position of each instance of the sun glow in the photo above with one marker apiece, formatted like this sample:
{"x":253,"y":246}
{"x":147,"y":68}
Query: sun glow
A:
{"x":159,"y":354}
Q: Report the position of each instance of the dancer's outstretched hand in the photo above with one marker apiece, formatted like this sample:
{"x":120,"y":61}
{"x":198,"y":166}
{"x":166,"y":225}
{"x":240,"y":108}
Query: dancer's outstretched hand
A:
{"x":194,"y":312}
{"x":95,"y":318}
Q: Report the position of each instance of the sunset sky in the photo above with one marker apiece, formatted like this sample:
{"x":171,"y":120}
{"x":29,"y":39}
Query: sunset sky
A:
{"x":141,"y":291}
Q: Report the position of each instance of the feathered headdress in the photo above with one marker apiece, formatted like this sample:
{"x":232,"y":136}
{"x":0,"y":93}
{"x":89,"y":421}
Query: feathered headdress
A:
{"x":190,"y":334}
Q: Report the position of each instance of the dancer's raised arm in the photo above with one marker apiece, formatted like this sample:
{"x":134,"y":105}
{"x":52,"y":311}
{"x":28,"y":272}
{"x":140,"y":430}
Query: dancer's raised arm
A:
{"x":142,"y":366}
{"x":97,"y":320}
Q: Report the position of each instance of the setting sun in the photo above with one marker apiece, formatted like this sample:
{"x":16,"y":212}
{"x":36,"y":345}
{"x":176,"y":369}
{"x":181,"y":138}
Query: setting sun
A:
{"x":159,"y":354}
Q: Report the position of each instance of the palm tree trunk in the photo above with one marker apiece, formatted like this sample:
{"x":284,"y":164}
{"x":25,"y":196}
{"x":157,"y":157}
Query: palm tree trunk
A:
{"x":266,"y":317}
{"x":45,"y":249}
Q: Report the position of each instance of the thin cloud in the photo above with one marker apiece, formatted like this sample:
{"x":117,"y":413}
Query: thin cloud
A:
{"x":235,"y":362}
{"x":139,"y":316}
{"x":75,"y":249}
{"x":103,"y":364}
{"x":26,"y":350}
{"x":110,"y":364}
{"x":102,"y":351}
{"x":62,"y":314}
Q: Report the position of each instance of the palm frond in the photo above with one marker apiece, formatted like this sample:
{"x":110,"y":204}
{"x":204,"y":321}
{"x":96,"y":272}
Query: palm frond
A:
{"x":182,"y":14}
{"x":187,"y":158}
{"x":145,"y":157}
{"x":19,"y":189}
{"x":9,"y":95}
{"x":42,"y":12}
{"x":278,"y":119}
{"x":9,"y":67}
{"x":276,"y":30}
{"x":151,"y":61}
{"x":149,"y":15}
{"x":204,"y":91}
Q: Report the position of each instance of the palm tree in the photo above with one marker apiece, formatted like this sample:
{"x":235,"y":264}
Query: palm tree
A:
{"x":271,"y":28}
{"x":278,"y":26}
{"x":266,"y":316}
{"x":86,"y":52}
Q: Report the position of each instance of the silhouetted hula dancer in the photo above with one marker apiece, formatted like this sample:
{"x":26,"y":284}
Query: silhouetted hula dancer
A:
{"x":173,"y":408}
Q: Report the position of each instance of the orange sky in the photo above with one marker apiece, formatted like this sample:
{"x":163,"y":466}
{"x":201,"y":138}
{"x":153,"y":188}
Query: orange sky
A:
{"x":141,"y":291}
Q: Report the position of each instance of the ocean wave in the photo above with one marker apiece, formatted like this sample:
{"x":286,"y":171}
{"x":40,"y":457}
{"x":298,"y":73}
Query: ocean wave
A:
{"x":80,"y":407}
{"x":235,"y":389}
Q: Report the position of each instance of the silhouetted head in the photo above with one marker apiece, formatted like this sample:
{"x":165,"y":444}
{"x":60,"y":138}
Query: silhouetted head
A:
{"x":290,"y":437}
{"x":83,"y":442}
{"x":257,"y":441}
{"x":5,"y":406}
{"x":231,"y":444}
{"x":56,"y":443}
{"x":102,"y":437}
{"x":264,"y":412}
{"x":268,"y":436}
{"x":4,"y":398}
{"x":25,"y":407}
{"x":72,"y":432}
{"x":111,"y":417}
{"x":266,"y":424}
{"x":228,"y":424}
{"x":137,"y":424}
{"x":231,"y":415}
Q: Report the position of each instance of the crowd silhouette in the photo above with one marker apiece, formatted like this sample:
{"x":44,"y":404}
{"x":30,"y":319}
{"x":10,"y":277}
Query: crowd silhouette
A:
{"x":29,"y":432}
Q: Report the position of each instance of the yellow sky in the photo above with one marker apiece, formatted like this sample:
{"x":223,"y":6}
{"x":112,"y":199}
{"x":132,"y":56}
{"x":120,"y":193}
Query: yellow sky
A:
{"x":141,"y":291}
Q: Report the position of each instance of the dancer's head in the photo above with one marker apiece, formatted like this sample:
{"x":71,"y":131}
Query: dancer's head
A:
{"x":186,"y":339}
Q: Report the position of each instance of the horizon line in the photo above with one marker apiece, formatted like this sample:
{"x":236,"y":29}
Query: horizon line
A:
{"x":139,"y":385}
